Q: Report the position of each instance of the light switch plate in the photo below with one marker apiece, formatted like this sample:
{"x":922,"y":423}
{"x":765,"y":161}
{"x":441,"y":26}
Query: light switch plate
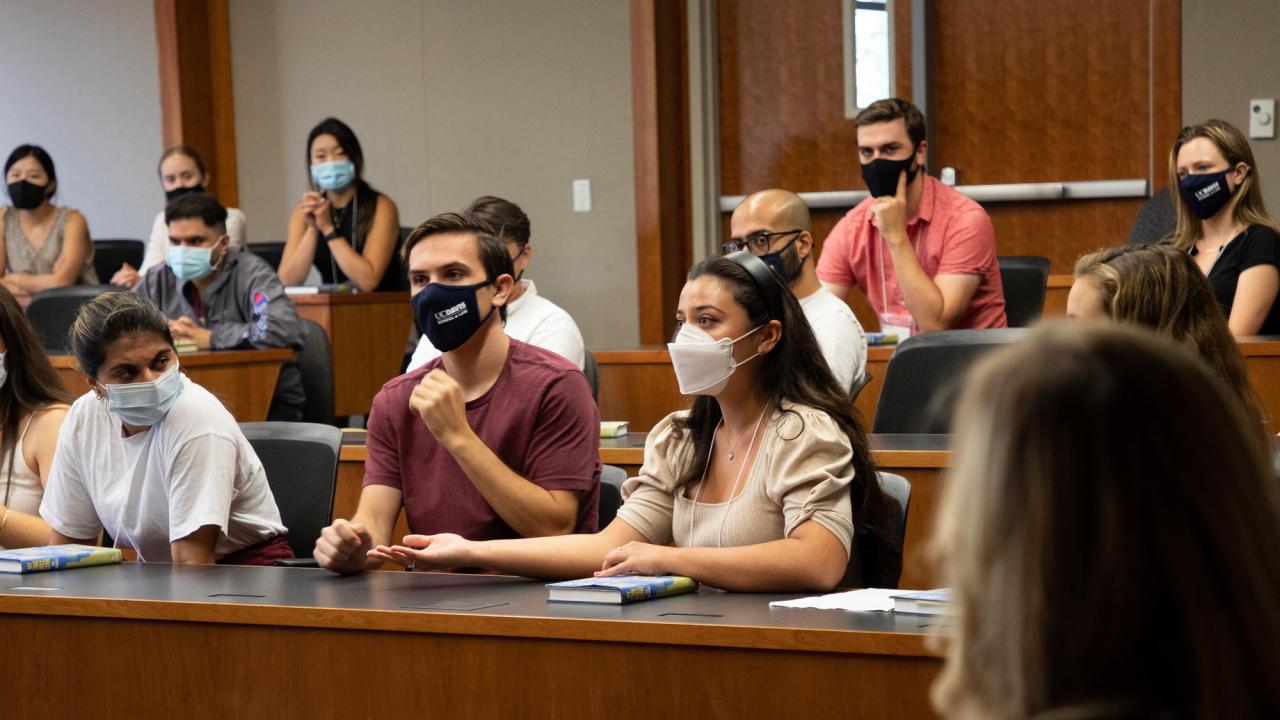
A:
{"x":1262,"y":118}
{"x":582,"y":196}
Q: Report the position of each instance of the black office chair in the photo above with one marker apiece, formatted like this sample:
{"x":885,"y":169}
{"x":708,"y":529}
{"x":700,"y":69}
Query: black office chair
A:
{"x":877,"y":562}
{"x":110,"y":255}
{"x":592,"y":371}
{"x":315,"y":363}
{"x":1025,"y":278}
{"x":53,"y":311}
{"x":611,"y":479}
{"x":924,"y":375}
{"x":301,"y":462}
{"x":271,"y":252}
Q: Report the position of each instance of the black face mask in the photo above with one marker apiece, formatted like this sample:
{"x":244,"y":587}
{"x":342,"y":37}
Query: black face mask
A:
{"x":174,"y":194}
{"x":881,"y":175}
{"x":785,"y":262}
{"x":25,"y":195}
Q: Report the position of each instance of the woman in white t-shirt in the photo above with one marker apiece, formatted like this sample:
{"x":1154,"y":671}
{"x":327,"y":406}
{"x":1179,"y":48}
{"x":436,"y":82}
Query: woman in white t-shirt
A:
{"x":32,"y":406}
{"x":151,"y":457}
{"x":182,"y":172}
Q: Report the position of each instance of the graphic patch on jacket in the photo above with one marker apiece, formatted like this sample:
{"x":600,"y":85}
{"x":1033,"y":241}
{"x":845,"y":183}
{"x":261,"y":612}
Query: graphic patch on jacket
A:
{"x":259,"y":315}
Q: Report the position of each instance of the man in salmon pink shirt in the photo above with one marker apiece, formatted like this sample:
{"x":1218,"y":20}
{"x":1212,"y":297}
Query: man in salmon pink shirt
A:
{"x":924,"y":254}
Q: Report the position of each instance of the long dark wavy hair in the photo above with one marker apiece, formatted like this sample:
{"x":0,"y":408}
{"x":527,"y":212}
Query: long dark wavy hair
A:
{"x":32,"y":382}
{"x":794,"y":372}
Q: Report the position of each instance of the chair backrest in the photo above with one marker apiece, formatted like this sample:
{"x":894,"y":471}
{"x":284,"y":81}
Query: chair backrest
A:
{"x":880,"y":561}
{"x":271,"y":252}
{"x":110,"y":255}
{"x":924,"y":375}
{"x":53,"y":311}
{"x":315,"y":364}
{"x":1025,"y":278}
{"x":592,"y":371}
{"x":301,"y":461}
{"x":611,"y":479}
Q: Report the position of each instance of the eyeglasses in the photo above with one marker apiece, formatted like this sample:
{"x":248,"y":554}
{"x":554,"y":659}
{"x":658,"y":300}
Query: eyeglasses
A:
{"x":757,"y":242}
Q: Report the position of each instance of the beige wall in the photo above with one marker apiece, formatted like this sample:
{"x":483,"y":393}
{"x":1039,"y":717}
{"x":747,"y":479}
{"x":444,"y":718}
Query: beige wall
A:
{"x":452,"y":100}
{"x":80,"y":79}
{"x":1230,"y":55}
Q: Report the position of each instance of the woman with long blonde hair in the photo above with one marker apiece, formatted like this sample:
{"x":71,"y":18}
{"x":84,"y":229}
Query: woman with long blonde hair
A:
{"x":1159,"y":287}
{"x":1110,"y":531}
{"x":1223,"y":224}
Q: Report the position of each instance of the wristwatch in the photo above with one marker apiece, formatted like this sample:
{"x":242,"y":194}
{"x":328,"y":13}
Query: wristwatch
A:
{"x":332,"y":235}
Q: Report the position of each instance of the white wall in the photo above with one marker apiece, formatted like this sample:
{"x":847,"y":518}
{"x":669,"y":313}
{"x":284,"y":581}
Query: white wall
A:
{"x":81,"y":79}
{"x":1230,"y":55}
{"x":452,"y":100}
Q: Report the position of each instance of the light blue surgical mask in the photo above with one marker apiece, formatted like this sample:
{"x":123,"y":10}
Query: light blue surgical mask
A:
{"x":189,"y":263}
{"x":145,"y":403}
{"x":333,"y":175}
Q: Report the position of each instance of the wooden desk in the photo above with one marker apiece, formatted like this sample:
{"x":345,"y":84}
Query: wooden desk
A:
{"x":221,"y":641}
{"x":243,"y":380}
{"x":921,"y":459}
{"x":1055,"y":295}
{"x":367,"y":333}
{"x":639,"y":385}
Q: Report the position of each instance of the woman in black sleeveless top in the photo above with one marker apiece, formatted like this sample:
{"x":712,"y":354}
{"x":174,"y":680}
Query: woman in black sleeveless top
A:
{"x":343,"y":227}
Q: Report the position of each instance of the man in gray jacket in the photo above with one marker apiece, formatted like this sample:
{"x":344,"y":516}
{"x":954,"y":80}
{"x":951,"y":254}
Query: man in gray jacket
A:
{"x":222,"y":297}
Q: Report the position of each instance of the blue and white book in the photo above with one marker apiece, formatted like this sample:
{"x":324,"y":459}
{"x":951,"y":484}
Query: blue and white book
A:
{"x":56,"y":557}
{"x":620,"y":589}
{"x":923,"y":602}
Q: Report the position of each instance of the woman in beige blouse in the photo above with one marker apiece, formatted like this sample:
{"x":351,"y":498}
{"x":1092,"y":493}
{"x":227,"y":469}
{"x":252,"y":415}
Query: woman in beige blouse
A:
{"x":757,"y":488}
{"x":42,"y":246}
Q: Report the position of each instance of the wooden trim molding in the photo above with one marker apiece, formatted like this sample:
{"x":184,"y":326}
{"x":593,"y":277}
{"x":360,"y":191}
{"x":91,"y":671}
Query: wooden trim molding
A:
{"x":660,"y":106}
{"x":193,"y":39}
{"x":1166,"y":86}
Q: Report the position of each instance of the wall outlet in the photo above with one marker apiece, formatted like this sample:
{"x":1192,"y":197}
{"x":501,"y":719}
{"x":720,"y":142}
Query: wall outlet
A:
{"x":582,"y":196}
{"x":948,"y":176}
{"x":1262,"y":118}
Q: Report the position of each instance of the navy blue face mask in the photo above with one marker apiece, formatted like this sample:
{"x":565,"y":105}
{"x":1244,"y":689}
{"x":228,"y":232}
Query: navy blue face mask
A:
{"x":449,"y":314}
{"x":778,"y":263}
{"x":1205,"y":194}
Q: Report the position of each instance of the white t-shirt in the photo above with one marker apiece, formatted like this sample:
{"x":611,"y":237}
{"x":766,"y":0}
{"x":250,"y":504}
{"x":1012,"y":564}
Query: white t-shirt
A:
{"x":194,"y":468}
{"x":531,"y":319}
{"x":839,"y":334}
{"x":158,"y":245}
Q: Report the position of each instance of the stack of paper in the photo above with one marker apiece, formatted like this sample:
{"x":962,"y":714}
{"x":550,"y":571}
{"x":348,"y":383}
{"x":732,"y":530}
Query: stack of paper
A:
{"x":867,"y":600}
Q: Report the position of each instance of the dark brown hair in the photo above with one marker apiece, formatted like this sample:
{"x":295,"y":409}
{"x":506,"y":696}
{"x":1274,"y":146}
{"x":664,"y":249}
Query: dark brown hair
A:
{"x":109,"y":317}
{"x":31,"y":382}
{"x":491,"y":249}
{"x":794,"y":372}
{"x":201,"y":206}
{"x":891,"y":109}
{"x":1110,"y":530}
{"x":1159,"y":286}
{"x":504,"y":218}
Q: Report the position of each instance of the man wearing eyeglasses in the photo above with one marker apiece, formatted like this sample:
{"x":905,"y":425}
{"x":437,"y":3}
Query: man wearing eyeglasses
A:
{"x":924,"y":254}
{"x":774,"y":225}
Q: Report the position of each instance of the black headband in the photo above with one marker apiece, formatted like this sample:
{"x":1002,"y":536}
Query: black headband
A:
{"x":766,"y":282}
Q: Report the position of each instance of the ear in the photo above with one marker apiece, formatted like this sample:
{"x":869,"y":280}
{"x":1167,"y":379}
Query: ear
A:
{"x":503,"y":286}
{"x":95,"y":387}
{"x":770,"y":336}
{"x":1242,"y":172}
{"x":922,"y":153}
{"x":804,"y":245}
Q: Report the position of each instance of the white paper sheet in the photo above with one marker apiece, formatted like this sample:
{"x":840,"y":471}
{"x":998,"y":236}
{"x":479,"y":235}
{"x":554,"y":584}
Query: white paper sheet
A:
{"x":867,"y":600}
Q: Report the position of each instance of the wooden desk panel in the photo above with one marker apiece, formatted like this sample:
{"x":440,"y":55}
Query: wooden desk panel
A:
{"x":367,"y":334}
{"x":1055,"y":295}
{"x":271,"y":647}
{"x":921,"y":459}
{"x":243,"y":380}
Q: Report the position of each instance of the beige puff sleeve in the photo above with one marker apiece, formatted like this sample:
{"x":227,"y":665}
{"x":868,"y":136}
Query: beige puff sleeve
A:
{"x":648,"y":498}
{"x":812,"y":466}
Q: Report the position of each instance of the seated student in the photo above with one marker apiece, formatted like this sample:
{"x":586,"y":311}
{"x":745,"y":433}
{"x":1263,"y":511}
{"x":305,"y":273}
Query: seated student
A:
{"x":774,"y":224}
{"x":41,"y":246}
{"x":493,"y":439}
{"x":151,"y":457}
{"x":759,"y":487}
{"x":32,"y":406}
{"x":222,"y":297}
{"x":342,"y":227}
{"x":924,"y":254}
{"x":181,"y":173}
{"x":1110,"y":531}
{"x":1223,"y":223}
{"x":531,"y":318}
{"x":1160,"y":287}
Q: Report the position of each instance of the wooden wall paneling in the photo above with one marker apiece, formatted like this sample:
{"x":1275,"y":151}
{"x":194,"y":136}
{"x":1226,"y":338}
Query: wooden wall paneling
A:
{"x":1166,"y":86}
{"x":660,"y":107}
{"x":193,"y":40}
{"x":902,"y":49}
